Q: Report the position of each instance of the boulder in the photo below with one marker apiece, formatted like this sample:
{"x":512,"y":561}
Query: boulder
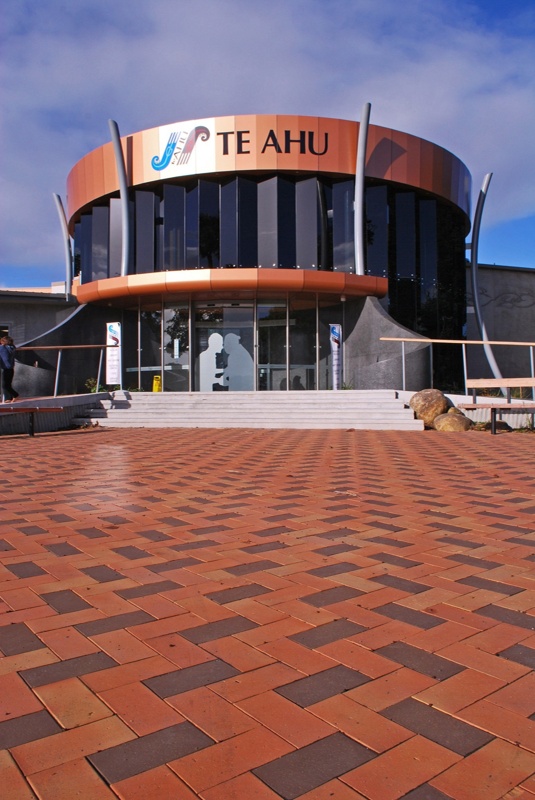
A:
{"x":428,"y":405}
{"x":452,"y":422}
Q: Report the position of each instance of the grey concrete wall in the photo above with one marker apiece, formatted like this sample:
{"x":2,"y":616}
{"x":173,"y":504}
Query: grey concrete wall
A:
{"x":507,"y":301}
{"x":373,"y":364}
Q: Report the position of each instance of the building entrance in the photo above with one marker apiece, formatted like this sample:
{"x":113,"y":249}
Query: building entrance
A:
{"x":264,"y":345}
{"x":224,"y":347}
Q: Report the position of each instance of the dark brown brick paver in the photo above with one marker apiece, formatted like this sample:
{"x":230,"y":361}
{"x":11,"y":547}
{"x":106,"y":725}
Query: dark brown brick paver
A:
{"x":224,"y":614}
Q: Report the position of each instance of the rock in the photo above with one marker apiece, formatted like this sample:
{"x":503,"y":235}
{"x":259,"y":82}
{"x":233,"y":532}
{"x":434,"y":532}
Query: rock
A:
{"x":452,"y":422}
{"x":501,"y":425}
{"x":428,"y":405}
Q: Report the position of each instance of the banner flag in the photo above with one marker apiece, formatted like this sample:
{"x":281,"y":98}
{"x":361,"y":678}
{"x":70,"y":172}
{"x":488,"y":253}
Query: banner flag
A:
{"x":113,"y":354}
{"x":336,"y":348}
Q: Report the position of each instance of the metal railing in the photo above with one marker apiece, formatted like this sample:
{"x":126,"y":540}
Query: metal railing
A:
{"x":61,"y":348}
{"x":463,"y":343}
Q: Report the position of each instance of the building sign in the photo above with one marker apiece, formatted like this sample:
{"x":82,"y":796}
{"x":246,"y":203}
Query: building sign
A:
{"x":247,"y":142}
{"x":335,"y":336}
{"x":113,"y":354}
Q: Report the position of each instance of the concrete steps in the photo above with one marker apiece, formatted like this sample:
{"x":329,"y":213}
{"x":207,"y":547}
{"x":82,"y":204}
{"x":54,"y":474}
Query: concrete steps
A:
{"x":362,"y":410}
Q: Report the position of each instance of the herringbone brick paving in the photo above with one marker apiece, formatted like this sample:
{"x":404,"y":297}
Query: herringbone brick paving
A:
{"x":233,"y":614}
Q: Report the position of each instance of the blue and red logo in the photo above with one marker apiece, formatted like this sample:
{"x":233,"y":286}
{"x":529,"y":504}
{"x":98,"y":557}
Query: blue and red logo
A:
{"x":180,"y":147}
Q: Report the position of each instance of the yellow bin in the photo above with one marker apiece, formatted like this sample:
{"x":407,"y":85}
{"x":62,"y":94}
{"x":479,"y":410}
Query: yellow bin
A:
{"x":157,"y":383}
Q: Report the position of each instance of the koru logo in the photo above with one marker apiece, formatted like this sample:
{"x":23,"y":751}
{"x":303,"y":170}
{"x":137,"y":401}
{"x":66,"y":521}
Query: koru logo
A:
{"x":180,"y":147}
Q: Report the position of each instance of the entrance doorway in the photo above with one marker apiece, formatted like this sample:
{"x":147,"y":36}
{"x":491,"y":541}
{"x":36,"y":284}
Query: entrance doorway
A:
{"x":224,"y":347}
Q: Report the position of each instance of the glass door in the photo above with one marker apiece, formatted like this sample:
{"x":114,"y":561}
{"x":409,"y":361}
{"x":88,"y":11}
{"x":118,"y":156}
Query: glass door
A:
{"x":224,"y":347}
{"x":176,"y":351}
{"x":272,"y":351}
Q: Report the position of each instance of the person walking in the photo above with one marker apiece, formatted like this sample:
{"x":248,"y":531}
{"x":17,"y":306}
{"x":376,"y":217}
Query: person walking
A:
{"x":7,"y":365}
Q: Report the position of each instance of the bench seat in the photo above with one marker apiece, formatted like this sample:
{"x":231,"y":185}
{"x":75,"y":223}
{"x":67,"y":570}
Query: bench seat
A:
{"x":31,"y":410}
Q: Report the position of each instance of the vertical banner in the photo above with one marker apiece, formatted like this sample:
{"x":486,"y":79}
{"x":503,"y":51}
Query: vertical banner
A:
{"x":336,"y":348}
{"x":113,"y":354}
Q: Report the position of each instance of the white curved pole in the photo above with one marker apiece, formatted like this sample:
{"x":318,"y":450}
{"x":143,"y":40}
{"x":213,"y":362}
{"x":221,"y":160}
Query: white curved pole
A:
{"x":474,"y":275}
{"x":360,"y":217}
{"x":123,"y":190}
{"x":66,"y":245}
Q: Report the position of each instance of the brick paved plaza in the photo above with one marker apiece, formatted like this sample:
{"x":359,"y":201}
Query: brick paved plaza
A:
{"x":253,"y":615}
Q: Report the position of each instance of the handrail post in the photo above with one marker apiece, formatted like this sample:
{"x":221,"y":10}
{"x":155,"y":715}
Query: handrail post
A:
{"x":431,"y":365}
{"x":532,"y":362}
{"x":465,"y":368}
{"x":58,"y":366}
{"x":99,"y":369}
{"x":403,"y":373}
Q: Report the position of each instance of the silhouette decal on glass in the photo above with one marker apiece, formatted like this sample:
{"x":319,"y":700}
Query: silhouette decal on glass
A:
{"x":238,"y":374}
{"x":210,"y":364}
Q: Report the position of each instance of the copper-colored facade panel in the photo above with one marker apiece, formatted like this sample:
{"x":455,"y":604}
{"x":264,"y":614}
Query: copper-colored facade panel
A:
{"x":266,"y":143}
{"x":234,"y":280}
{"x":243,"y":140}
{"x":94,"y":171}
{"x":144,"y":153}
{"x":401,"y":145}
{"x":76,"y":190}
{"x":102,"y":290}
{"x":414,"y":162}
{"x":426,"y":164}
{"x":280,"y":280}
{"x":229,"y":138}
{"x":217,"y":283}
{"x":185,"y":281}
{"x":110,"y":175}
{"x":331,"y":282}
{"x":379,"y":153}
{"x":330,"y":161}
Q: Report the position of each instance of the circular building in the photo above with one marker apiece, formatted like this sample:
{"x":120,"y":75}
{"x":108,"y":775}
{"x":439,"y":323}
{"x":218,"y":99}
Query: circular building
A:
{"x":225,"y":247}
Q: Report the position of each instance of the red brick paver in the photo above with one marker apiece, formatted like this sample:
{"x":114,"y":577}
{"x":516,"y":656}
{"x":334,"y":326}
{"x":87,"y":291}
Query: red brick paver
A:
{"x":229,"y":614}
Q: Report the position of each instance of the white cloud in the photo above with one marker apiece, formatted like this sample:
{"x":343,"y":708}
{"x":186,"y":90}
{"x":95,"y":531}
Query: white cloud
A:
{"x":446,"y":71}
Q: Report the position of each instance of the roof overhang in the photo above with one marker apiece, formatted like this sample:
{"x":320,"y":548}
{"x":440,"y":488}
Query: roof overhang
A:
{"x":236,"y":282}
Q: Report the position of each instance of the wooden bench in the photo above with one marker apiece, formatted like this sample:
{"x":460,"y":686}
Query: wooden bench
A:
{"x":500,"y":406}
{"x":31,"y":411}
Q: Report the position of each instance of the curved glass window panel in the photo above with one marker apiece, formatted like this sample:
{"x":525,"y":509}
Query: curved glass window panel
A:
{"x":116,"y":237}
{"x":325,"y":226}
{"x":208,"y":224}
{"x":343,"y":194}
{"x":306,"y":224}
{"x":86,"y":225}
{"x":268,"y":255}
{"x":174,"y":204}
{"x":229,"y":224}
{"x":145,"y":230}
{"x":405,"y":235}
{"x":247,"y":223}
{"x":286,"y":223}
{"x":377,"y":231}
{"x":192,"y":226}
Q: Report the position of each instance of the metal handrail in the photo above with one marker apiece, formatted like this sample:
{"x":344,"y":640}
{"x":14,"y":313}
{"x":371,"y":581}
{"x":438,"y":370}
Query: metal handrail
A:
{"x":463,"y":342}
{"x":61,"y":347}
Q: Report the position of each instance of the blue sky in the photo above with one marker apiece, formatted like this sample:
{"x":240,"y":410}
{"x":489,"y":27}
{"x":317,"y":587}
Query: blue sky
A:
{"x":459,"y":73}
